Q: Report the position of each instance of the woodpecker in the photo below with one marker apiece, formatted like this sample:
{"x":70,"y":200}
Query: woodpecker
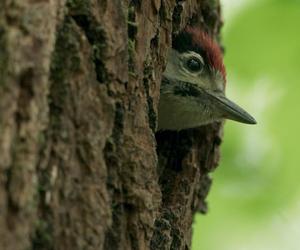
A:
{"x":193,"y":85}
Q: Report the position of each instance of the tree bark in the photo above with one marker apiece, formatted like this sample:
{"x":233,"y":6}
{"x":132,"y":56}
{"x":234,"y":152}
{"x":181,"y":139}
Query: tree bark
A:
{"x":81,"y":166}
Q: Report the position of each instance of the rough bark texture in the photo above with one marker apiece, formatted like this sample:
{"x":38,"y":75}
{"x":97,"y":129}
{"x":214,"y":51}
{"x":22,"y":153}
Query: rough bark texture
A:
{"x":80,"y":164}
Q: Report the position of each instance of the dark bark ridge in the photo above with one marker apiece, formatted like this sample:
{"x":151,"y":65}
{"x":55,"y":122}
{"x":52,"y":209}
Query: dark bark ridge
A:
{"x":81,"y":166}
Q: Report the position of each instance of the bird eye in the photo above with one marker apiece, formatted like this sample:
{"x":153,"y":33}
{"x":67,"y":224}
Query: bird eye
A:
{"x":194,"y":64}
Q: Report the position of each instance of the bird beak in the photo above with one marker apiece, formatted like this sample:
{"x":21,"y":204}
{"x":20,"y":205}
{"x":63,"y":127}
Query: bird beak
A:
{"x":231,"y":110}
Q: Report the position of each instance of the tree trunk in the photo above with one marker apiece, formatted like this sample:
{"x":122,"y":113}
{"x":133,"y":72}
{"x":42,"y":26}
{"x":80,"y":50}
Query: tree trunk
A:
{"x":80,"y":164}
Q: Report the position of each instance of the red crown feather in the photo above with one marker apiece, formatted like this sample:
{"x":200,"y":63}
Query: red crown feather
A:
{"x":210,"y":47}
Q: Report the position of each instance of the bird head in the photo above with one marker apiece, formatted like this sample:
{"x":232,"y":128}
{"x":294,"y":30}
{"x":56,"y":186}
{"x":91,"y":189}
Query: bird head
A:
{"x":193,"y":85}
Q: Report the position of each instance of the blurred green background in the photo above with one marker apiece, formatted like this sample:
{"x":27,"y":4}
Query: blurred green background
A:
{"x":254,"y":200}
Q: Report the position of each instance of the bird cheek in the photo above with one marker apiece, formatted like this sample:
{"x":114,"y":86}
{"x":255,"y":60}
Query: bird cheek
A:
{"x":220,"y":84}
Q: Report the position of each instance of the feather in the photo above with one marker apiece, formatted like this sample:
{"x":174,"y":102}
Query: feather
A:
{"x":194,"y":39}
